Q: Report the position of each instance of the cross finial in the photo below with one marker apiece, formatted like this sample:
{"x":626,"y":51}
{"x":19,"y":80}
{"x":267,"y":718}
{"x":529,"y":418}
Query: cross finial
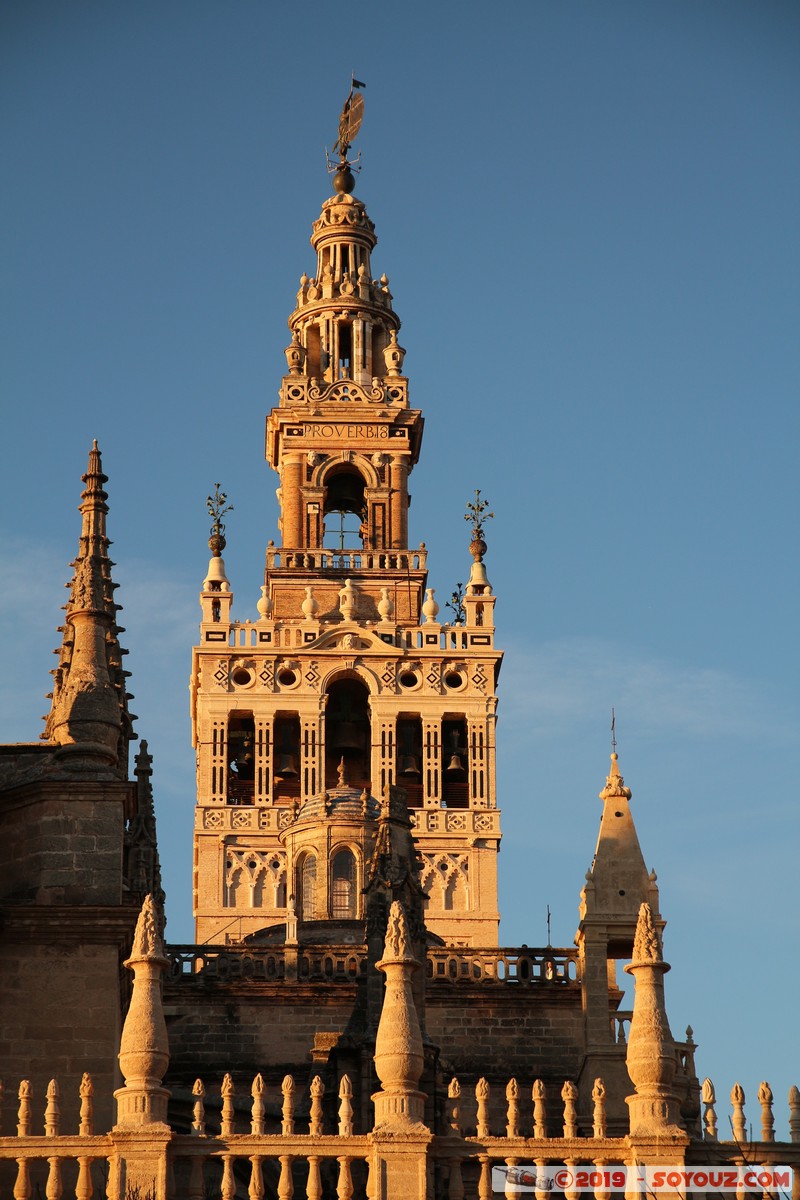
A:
{"x":613,"y":732}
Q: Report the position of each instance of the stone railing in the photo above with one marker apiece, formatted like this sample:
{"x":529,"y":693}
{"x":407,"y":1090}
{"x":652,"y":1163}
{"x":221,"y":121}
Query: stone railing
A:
{"x":284,"y":558}
{"x":620,"y":1025}
{"x":315,"y":963}
{"x":272,"y":1166}
{"x":495,"y":967}
{"x":487,"y":967}
{"x":493,"y":1140}
{"x":287,"y":1163}
{"x":485,"y":822}
{"x":200,"y":1164}
{"x":282,"y":635}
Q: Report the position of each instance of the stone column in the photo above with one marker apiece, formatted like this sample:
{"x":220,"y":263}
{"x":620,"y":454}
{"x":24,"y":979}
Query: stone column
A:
{"x":141,"y":1135}
{"x":291,"y":503}
{"x":400,"y":1139}
{"x":398,"y":478}
{"x":654,"y":1108}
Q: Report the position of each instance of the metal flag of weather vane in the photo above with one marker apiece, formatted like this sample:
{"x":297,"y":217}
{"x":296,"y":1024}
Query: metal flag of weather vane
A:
{"x":349,"y":124}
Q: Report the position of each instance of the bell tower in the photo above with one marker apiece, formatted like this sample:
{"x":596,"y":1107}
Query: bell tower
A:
{"x":347,"y":687}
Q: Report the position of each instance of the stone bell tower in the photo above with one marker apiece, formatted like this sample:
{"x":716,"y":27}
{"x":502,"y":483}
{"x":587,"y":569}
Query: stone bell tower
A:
{"x":347,"y":685}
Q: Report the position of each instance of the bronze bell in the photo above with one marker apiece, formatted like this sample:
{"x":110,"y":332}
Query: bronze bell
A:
{"x":346,"y":736}
{"x":409,"y":765}
{"x":455,"y":764}
{"x":286,"y":766}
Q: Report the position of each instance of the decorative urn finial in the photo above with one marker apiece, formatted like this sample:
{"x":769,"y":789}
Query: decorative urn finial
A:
{"x":218,"y":507}
{"x":477,"y":516}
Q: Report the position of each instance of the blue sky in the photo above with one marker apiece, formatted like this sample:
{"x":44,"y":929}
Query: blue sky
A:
{"x":588,"y":215}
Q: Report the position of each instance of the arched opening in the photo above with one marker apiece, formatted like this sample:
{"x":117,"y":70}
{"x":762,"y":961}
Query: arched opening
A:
{"x":345,"y":365}
{"x":455,"y":788}
{"x":241,"y":758}
{"x":408,"y":768}
{"x":345,"y":510}
{"x":307,"y":887}
{"x":347,"y":733}
{"x":380,"y":340}
{"x":343,"y":886}
{"x":313,"y":352}
{"x":286,"y":766}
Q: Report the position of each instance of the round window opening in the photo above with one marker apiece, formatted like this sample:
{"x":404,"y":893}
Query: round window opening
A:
{"x":453,"y":680}
{"x":408,"y":679}
{"x":287,"y":678}
{"x":241,"y":677}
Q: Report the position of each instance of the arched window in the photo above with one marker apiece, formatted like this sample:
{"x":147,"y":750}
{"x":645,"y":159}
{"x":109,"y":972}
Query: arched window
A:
{"x":307,"y":887}
{"x":347,"y":732}
{"x":345,"y":510}
{"x":241,"y":758}
{"x":343,"y":886}
{"x":455,"y":763}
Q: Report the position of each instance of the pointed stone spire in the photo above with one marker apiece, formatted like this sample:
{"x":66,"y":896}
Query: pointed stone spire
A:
{"x":654,"y":1109}
{"x":142,"y":864}
{"x":393,"y":875}
{"x":619,"y":877}
{"x":89,"y":712}
{"x":616,"y":886}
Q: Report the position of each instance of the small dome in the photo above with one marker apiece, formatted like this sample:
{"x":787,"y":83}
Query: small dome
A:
{"x":340,"y":802}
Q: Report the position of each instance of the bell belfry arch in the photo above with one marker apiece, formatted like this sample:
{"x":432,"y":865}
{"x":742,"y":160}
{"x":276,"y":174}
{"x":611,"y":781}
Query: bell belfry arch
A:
{"x":347,"y":684}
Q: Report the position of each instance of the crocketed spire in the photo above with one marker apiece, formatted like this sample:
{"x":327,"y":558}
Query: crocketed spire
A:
{"x":142,"y":864}
{"x":89,"y":708}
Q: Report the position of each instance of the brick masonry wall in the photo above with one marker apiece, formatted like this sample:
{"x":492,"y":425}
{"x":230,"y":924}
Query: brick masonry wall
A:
{"x":59,"y":1017}
{"x":527,"y":1032}
{"x":63,"y":849}
{"x":244,"y":1029}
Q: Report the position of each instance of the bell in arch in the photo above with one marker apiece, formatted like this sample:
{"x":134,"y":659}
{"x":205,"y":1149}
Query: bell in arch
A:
{"x":286,"y":766}
{"x":409,"y":765}
{"x":456,"y":764}
{"x":346,"y":736}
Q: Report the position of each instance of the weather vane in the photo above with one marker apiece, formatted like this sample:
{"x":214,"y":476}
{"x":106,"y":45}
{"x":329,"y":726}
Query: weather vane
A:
{"x":613,"y":732}
{"x":349,"y":124}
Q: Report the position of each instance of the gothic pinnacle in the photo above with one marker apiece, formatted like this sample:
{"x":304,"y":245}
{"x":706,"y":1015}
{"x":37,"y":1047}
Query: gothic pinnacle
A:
{"x":89,"y":708}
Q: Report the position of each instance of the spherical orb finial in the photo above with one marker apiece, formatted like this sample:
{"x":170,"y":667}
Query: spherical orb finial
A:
{"x":344,"y":180}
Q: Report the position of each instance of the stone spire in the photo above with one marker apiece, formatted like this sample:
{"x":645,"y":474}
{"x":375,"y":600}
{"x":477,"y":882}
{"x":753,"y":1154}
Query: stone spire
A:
{"x":142,"y":864}
{"x":616,"y":886}
{"x":89,"y":711}
{"x":619,"y":878}
{"x":654,"y":1109}
{"x":392,"y":877}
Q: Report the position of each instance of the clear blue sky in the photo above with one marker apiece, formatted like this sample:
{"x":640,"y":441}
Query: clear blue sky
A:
{"x":589,"y":217}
